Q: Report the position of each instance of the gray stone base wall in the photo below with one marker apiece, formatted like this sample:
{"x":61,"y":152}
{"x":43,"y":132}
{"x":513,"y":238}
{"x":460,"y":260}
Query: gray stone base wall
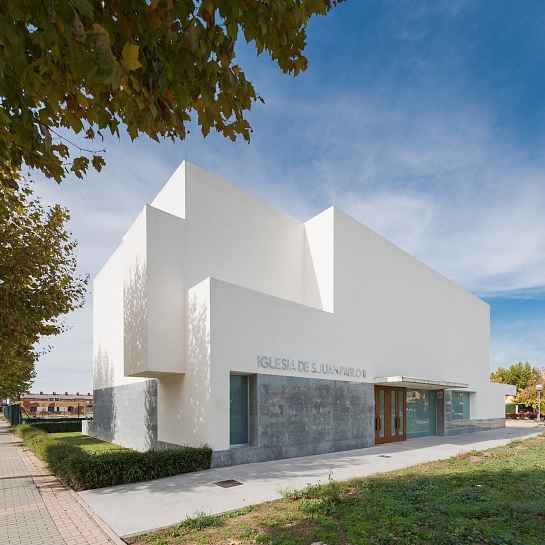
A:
{"x":249,"y":455}
{"x":126,"y":415}
{"x":458,"y":427}
{"x":288,"y":417}
{"x":446,"y":426}
{"x":294,"y":416}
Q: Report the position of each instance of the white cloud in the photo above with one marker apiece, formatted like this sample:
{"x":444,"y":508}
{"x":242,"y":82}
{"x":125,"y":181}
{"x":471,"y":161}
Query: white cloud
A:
{"x":442,"y":186}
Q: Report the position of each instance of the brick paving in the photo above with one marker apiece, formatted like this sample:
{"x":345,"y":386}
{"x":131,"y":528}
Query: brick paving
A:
{"x":36,"y":508}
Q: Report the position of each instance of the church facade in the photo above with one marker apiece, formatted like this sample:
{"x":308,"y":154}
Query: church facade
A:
{"x":221,"y":320}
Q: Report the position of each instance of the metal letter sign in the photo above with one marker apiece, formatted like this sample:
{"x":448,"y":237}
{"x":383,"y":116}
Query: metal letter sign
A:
{"x":289,"y":365}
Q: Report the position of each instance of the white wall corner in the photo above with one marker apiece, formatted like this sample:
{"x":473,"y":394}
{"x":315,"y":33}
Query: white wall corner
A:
{"x":505,"y":389}
{"x":184,"y":400}
{"x":153,"y":296}
{"x":171,"y":198}
{"x":166,"y":297}
{"x":319,"y":261}
{"x":108,"y":323}
{"x":135,"y":290}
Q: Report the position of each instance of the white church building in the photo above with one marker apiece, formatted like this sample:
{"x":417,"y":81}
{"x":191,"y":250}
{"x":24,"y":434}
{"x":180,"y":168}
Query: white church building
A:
{"x":221,"y":320}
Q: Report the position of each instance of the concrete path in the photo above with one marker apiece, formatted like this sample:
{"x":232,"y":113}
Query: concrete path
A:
{"x":142,"y":507}
{"x":35,"y":508}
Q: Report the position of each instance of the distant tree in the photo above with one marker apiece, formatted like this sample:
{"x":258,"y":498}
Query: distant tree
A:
{"x":94,"y":65}
{"x":528,"y":395}
{"x":37,"y":283}
{"x":518,"y":374}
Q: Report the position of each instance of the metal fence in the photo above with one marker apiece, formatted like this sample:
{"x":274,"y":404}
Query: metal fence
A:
{"x":12,"y":413}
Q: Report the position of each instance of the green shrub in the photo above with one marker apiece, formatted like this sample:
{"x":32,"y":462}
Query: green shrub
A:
{"x":39,"y":443}
{"x":24,"y":430}
{"x":57,"y":427}
{"x":21,"y":429}
{"x":37,"y":440}
{"x":61,"y":458}
{"x":126,"y":466}
{"x":83,"y":470}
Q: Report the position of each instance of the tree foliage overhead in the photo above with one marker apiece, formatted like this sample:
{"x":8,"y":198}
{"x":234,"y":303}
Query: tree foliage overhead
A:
{"x":148,"y":65}
{"x":37,"y":283}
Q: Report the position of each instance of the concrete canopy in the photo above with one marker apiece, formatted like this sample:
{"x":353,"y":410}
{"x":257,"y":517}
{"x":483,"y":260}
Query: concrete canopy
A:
{"x":419,"y":383}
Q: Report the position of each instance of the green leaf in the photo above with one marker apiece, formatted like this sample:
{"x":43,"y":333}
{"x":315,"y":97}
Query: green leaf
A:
{"x":103,"y":46}
{"x":4,"y":119}
{"x":78,"y":30}
{"x":130,"y":56}
{"x":79,"y":166}
{"x":85,"y":8}
{"x":192,"y":34}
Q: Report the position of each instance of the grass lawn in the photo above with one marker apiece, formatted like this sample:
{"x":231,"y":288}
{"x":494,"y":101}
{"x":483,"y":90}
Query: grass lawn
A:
{"x":90,"y":444}
{"x":488,"y":497}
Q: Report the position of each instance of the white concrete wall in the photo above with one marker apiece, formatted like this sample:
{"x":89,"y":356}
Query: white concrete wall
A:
{"x":108,"y":345}
{"x":245,"y":324}
{"x":171,"y":198}
{"x":135,"y":292}
{"x":185,"y":401}
{"x":235,"y":237}
{"x":319,"y":261}
{"x":403,"y":317}
{"x":165,"y":293}
{"x":228,"y":277}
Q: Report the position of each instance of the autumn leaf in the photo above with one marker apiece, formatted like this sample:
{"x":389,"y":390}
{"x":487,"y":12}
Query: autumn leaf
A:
{"x":169,"y":98}
{"x":98,"y":162}
{"x":192,"y":34}
{"x":130,"y":56}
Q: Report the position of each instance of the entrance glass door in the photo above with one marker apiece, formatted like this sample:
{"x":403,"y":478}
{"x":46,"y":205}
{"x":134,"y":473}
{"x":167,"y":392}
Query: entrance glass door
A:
{"x":390,"y":414}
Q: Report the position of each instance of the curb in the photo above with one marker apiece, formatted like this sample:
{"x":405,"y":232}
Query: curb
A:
{"x":91,"y":514}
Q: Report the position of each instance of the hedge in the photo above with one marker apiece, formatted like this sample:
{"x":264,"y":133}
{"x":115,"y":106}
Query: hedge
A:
{"x":83,"y":471}
{"x":126,"y":466}
{"x":56,"y":427}
{"x":509,"y":408}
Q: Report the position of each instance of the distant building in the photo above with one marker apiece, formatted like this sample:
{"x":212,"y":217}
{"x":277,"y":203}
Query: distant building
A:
{"x":55,"y":404}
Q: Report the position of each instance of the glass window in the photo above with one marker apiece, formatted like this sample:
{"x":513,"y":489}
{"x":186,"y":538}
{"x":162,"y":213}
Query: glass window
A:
{"x":420,"y":413}
{"x":401,"y":413}
{"x":381,"y":412}
{"x":393,"y":412}
{"x":460,"y":406}
{"x":238,"y":409}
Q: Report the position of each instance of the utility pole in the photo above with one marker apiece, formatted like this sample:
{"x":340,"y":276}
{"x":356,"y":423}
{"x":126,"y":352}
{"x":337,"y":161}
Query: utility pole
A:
{"x":539,"y":387}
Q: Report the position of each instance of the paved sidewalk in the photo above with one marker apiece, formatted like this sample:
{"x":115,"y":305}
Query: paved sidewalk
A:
{"x":142,"y":507}
{"x":35,"y":508}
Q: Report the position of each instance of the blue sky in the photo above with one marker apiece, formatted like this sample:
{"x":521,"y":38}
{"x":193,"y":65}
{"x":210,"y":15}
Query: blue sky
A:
{"x":423,"y":120}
